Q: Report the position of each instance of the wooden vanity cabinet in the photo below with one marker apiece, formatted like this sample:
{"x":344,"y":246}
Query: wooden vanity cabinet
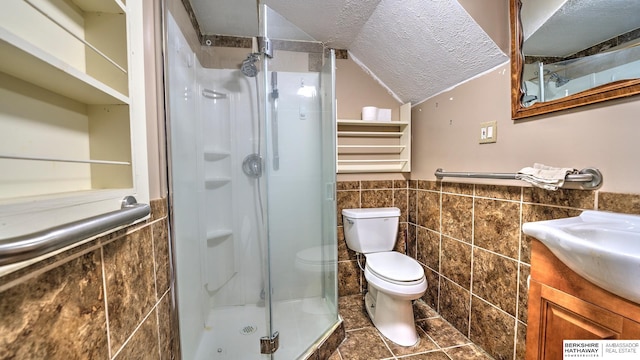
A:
{"x":565,"y":306}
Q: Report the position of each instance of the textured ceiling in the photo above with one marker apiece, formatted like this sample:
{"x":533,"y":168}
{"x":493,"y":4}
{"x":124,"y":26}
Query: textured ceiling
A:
{"x":414,"y":48}
{"x":577,"y":25}
{"x":423,"y":47}
{"x":334,"y":22}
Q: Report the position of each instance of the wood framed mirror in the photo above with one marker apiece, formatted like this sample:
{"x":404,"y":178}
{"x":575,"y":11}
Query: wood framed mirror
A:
{"x":564,"y":55}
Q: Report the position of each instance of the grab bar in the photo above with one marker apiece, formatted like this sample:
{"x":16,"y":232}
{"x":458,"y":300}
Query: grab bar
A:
{"x":29,"y":246}
{"x":590,"y":177}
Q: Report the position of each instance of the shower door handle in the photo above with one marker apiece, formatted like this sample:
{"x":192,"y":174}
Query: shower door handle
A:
{"x":274,"y":137}
{"x":274,"y":121}
{"x":330,"y":192}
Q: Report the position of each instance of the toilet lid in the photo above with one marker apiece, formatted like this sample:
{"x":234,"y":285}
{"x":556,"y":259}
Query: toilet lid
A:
{"x":394,"y":266}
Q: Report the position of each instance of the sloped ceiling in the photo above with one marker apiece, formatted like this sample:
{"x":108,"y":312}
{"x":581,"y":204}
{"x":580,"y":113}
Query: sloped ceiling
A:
{"x":423,"y":47}
{"x":414,"y":48}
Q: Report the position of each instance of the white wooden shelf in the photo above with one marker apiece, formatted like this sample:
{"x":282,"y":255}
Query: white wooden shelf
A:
{"x":370,"y":149}
{"x":369,"y":134}
{"x":360,"y":166}
{"x":25,"y":61}
{"x":105,"y":6}
{"x":375,"y":146}
{"x":373,"y":123}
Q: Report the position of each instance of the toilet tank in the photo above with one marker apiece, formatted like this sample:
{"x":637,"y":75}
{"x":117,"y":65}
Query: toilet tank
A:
{"x":371,"y":230}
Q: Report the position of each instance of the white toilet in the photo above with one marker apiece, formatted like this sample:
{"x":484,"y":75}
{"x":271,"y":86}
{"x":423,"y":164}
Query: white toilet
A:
{"x":395,"y":279}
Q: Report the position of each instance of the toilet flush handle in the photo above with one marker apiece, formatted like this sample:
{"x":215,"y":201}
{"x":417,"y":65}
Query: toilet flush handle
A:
{"x":350,"y":221}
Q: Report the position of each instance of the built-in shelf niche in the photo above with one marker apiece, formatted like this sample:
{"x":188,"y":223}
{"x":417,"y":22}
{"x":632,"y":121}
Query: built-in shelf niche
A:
{"x":64,"y":96}
{"x":73,"y":139}
{"x":375,"y":146}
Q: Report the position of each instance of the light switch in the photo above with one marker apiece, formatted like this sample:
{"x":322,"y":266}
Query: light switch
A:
{"x":488,"y":132}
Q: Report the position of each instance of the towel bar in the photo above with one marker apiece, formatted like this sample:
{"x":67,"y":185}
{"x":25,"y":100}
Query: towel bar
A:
{"x":24,"y":247}
{"x":590,"y":178}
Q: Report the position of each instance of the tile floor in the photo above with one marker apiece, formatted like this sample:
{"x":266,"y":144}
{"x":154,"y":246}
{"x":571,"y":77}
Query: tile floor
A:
{"x":438,"y":339}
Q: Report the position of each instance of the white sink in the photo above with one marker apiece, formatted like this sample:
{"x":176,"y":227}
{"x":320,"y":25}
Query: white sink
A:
{"x":602,"y":247}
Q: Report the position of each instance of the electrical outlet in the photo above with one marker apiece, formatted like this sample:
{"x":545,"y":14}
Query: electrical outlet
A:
{"x":488,"y":132}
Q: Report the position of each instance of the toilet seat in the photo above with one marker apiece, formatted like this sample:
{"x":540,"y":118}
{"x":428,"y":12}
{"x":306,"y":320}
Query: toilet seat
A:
{"x":395,"y":268}
{"x":315,"y":258}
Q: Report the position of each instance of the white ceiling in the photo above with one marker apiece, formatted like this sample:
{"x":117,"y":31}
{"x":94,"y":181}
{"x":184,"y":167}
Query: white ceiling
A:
{"x":415,"y":48}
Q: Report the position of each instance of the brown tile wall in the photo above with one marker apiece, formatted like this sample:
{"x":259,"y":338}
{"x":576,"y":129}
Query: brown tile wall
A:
{"x":468,"y":239}
{"x":106,"y":299}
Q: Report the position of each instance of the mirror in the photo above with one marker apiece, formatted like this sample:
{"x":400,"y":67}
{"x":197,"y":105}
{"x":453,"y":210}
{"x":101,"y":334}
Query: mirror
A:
{"x":570,"y":53}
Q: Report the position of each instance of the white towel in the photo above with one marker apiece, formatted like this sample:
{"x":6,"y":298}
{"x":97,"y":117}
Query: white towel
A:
{"x":546,"y":177}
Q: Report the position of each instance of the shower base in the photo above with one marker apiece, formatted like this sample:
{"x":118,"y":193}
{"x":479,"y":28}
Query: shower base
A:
{"x":236,"y":330}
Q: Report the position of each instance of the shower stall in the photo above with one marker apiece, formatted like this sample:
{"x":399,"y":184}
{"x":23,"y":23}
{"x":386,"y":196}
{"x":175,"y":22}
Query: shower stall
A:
{"x":251,"y":152}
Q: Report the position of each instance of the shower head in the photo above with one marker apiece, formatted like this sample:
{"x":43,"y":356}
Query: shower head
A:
{"x":248,"y":66}
{"x":559,"y":80}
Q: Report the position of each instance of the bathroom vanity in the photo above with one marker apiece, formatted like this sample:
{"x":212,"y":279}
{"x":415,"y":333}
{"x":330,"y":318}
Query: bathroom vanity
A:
{"x":565,"y":306}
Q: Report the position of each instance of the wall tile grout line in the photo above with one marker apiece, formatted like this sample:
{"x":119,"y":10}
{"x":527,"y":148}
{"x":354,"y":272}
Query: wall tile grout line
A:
{"x":518,"y":279}
{"x":158,"y":331}
{"x":155,"y":285}
{"x":106,"y":302}
{"x":473,"y":249}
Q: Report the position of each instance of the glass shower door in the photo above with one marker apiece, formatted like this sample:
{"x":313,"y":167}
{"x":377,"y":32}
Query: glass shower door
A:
{"x":300,"y":177}
{"x":252,"y":192}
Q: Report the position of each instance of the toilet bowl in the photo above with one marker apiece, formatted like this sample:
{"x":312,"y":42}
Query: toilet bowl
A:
{"x":311,"y":264}
{"x":394,"y":279}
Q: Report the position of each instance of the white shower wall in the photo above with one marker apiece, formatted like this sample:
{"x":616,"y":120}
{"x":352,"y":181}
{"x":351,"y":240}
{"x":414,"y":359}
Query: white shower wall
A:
{"x":233,"y":262}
